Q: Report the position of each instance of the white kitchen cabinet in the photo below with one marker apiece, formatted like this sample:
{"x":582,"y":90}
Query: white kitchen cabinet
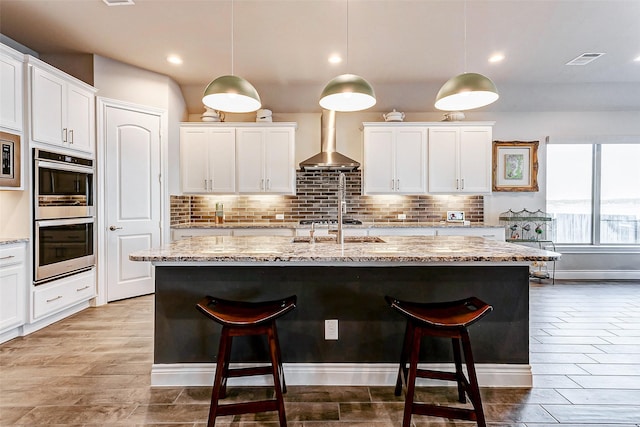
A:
{"x":460,"y":159}
{"x":55,"y":296}
{"x":11,"y":88}
{"x":208,"y":159}
{"x":402,"y":231}
{"x":13,"y":288}
{"x":395,"y":160}
{"x":62,"y":108}
{"x":265,"y":160}
{"x":185,"y":233}
{"x":493,"y":233}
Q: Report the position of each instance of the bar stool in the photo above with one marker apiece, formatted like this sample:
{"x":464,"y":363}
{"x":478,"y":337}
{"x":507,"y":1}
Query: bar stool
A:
{"x":446,"y":320}
{"x":242,"y":319}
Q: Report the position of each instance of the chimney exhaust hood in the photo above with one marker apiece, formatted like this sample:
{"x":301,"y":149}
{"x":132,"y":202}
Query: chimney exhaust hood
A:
{"x":328,"y":158}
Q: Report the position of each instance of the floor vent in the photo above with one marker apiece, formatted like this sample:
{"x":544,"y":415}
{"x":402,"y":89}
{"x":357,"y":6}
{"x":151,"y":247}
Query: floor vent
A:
{"x":584,"y":59}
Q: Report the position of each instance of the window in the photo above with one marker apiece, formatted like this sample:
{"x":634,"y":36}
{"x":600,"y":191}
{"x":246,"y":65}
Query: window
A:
{"x":593,"y":191}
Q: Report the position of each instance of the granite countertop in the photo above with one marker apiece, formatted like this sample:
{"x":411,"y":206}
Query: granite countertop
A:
{"x":395,"y":249}
{"x":295,"y":225}
{"x":12,"y":240}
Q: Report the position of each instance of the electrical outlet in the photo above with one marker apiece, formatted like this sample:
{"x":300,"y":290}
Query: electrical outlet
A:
{"x":331,"y":329}
{"x":402,"y":216}
{"x":279,"y":216}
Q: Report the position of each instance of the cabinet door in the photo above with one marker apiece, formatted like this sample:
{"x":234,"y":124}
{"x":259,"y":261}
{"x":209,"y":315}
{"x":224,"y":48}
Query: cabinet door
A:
{"x":47,"y":114}
{"x":80,"y":119}
{"x":475,"y":160}
{"x":222,"y":160}
{"x":194,"y":160}
{"x":379,"y":177}
{"x":250,"y":160}
{"x":279,"y":161}
{"x":443,"y":160}
{"x":12,"y":289}
{"x":11,"y":90}
{"x":410,"y":161}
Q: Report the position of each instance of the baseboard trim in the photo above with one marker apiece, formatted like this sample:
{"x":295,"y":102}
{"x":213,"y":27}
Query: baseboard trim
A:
{"x":341,"y":374}
{"x":598,"y":274}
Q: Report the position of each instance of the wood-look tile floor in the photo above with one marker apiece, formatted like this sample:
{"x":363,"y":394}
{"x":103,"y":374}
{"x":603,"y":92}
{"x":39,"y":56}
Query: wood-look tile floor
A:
{"x":93,"y":369}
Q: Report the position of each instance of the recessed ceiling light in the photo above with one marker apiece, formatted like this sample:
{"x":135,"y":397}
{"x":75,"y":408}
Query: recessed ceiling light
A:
{"x":118,"y":2}
{"x":174,"y":59}
{"x":496,"y":57}
{"x":637,"y":59}
{"x":335,"y":59}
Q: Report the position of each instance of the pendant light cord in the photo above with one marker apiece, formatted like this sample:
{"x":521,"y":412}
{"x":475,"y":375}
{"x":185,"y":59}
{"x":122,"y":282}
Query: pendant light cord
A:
{"x":465,"y":37}
{"x":232,"y":34}
{"x":347,"y":35}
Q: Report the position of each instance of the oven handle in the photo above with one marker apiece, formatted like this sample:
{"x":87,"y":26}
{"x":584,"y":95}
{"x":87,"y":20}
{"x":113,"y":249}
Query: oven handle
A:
{"x":63,"y":166}
{"x":70,"y":221}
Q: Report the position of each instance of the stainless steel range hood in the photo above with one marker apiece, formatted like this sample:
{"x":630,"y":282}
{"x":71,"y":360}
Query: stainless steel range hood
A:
{"x":328,"y":158}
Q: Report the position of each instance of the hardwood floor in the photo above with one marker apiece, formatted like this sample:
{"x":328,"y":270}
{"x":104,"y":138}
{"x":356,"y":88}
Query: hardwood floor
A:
{"x":93,"y":369}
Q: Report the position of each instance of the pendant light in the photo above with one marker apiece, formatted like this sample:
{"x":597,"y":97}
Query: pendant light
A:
{"x":467,"y":90}
{"x":231,"y":93}
{"x":347,"y":92}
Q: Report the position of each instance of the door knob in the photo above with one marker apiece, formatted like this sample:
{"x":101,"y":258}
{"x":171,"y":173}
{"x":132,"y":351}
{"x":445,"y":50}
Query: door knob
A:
{"x":114,"y":228}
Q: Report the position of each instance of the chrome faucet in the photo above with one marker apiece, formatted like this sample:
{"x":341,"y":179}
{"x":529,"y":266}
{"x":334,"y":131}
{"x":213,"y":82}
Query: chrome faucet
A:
{"x":342,"y":206}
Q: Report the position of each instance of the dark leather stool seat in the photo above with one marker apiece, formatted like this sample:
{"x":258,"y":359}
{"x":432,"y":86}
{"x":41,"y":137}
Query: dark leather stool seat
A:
{"x":447,"y":320}
{"x":241,"y":319}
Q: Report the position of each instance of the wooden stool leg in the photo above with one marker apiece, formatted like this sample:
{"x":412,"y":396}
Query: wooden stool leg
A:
{"x":404,"y":357}
{"x":462,"y":398}
{"x":225,"y":372}
{"x":274,"y":351}
{"x":279,"y":355}
{"x":474,"y":389}
{"x":222,"y":362}
{"x":413,"y":372}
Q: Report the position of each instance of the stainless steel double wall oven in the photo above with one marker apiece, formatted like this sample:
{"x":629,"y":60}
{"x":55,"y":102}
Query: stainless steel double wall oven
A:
{"x":64,"y":215}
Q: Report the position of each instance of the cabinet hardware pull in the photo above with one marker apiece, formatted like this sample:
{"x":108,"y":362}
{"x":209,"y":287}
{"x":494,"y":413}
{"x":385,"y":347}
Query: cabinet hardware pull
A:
{"x":64,"y":134}
{"x":70,"y":136}
{"x":398,"y":184}
{"x":210,"y":185}
{"x":262,"y":184}
{"x":268,"y":184}
{"x":457,"y":184}
{"x":53,"y":299}
{"x":82,"y":289}
{"x":7,"y":257}
{"x":463,"y":183}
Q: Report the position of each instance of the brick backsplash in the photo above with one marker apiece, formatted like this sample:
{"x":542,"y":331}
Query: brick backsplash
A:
{"x":316,"y":197}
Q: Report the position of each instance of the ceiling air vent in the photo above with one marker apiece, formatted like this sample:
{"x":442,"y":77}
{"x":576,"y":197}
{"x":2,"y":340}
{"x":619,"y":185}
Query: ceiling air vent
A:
{"x":584,"y":59}
{"x":118,"y":2}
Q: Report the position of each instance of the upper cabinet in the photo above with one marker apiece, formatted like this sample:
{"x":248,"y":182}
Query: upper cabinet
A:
{"x":62,"y":108}
{"x":265,"y":160}
{"x":460,"y":159}
{"x":238,"y":158}
{"x":11,"y":88}
{"x":394,"y":160}
{"x":208,"y":159}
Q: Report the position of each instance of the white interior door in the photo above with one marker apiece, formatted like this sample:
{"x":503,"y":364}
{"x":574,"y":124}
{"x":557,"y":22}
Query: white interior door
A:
{"x":132,"y":198}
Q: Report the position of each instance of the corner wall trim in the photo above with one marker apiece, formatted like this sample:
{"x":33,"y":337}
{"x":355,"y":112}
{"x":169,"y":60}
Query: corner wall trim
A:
{"x":341,"y":374}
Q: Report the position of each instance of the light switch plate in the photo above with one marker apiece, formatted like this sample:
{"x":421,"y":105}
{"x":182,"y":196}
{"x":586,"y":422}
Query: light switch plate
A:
{"x":279,"y":216}
{"x":402,"y":216}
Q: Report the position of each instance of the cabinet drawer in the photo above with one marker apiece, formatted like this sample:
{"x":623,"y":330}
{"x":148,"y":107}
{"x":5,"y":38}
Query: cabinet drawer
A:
{"x":58,"y":295}
{"x":11,"y":255}
{"x":487,"y":233}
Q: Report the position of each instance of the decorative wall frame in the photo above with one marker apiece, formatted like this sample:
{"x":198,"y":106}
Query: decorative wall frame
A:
{"x":11,"y":165}
{"x":515,"y":166}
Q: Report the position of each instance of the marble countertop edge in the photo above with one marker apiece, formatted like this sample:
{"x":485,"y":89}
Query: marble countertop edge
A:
{"x":12,"y":240}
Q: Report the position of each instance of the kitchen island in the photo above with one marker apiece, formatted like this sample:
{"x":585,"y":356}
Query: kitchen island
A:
{"x":345,"y":282}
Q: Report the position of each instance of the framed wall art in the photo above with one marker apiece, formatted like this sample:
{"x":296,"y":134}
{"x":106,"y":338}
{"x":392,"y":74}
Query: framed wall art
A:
{"x":10,"y":166}
{"x":515,"y":165}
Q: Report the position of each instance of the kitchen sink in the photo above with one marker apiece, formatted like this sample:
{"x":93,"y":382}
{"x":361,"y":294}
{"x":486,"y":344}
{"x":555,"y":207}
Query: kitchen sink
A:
{"x":332,"y":239}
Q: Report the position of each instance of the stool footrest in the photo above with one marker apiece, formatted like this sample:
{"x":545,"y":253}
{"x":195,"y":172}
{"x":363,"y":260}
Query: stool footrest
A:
{"x":443,"y":411}
{"x":247,"y":407}
{"x":436,"y":375}
{"x":254,"y":370}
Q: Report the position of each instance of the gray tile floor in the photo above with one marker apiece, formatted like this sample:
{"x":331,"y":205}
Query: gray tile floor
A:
{"x":93,"y":369}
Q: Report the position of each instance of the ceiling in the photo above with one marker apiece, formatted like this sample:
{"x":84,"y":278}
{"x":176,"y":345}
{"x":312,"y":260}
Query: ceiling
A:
{"x":405,"y":48}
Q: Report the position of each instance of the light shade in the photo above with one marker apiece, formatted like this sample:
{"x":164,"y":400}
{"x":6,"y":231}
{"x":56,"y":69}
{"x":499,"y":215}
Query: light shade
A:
{"x":347,"y":92}
{"x":466,"y":91}
{"x":231,"y":94}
